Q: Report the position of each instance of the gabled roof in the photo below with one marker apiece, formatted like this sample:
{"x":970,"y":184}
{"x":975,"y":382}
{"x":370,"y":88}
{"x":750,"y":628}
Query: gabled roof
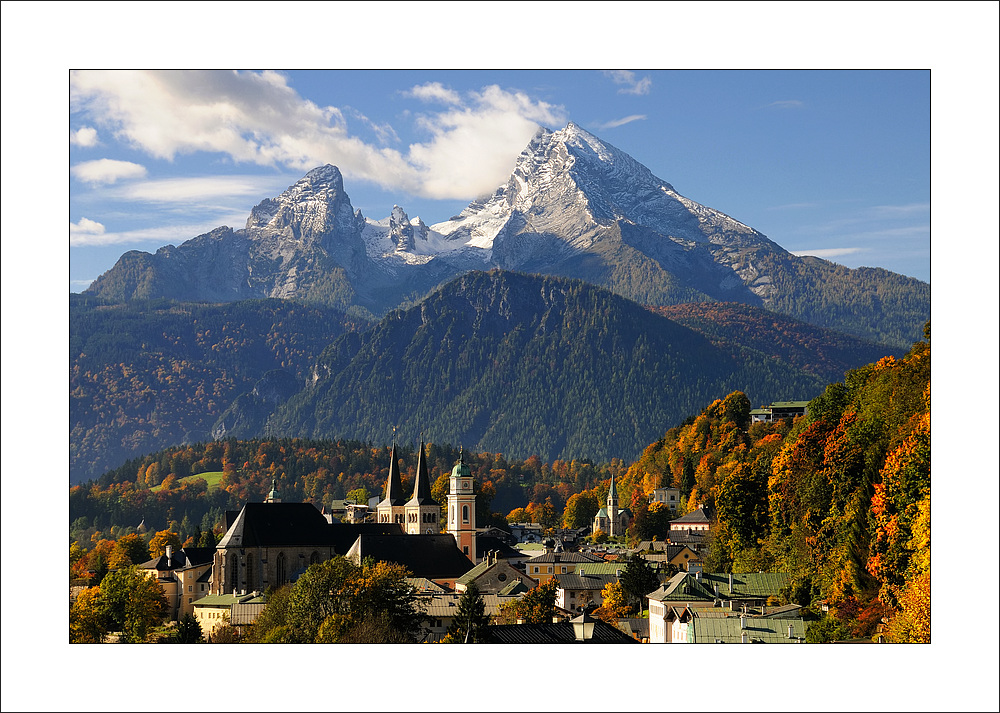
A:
{"x":227,"y":600}
{"x":515,"y":588}
{"x":698,"y":516}
{"x":422,"y":486}
{"x":683,"y":587}
{"x":485,"y":543}
{"x":394,"y":485}
{"x":585,"y":582}
{"x":184,"y":558}
{"x":277,"y":524}
{"x":561,"y":633}
{"x":442,"y":606}
{"x":430,"y":556}
{"x":424,"y":585}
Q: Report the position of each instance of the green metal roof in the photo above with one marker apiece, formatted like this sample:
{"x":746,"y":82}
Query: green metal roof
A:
{"x":756,"y":584}
{"x":710,"y":630}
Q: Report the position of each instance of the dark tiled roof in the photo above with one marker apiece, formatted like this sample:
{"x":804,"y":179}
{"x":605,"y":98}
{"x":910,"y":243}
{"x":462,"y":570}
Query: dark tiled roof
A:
{"x":430,"y":556}
{"x":587,"y":581}
{"x":343,"y":535}
{"x":698,"y":516}
{"x":486,"y":544}
{"x":277,"y":524}
{"x":561,"y":633}
{"x":181,"y":559}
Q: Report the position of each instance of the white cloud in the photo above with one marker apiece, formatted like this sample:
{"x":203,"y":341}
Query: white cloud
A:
{"x":85,"y":227}
{"x":787,"y":104}
{"x":434,"y":91}
{"x":630,"y":85}
{"x":257,"y":117}
{"x":106,"y":170}
{"x":85,"y":136}
{"x":159,"y":236}
{"x":827,"y":253}
{"x":615,"y":123}
{"x":200,"y":188}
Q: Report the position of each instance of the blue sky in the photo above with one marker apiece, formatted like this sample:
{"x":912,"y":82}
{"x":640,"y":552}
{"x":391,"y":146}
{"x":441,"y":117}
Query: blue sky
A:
{"x":828,"y":163}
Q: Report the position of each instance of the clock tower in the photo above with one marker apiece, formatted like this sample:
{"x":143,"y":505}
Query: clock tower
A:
{"x":462,"y":509}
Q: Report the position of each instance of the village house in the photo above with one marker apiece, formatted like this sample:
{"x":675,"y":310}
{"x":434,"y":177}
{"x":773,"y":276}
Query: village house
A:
{"x":671,"y":497}
{"x":492,"y":575}
{"x":184,"y":576}
{"x":696,"y":521}
{"x":577,"y":592}
{"x":545,"y":566}
{"x":215,"y":610}
{"x":779,"y":410}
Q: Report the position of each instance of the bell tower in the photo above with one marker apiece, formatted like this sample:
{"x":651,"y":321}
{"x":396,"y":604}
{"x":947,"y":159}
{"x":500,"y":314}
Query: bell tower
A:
{"x":421,"y":510}
{"x":462,"y":509}
{"x":614,"y":523}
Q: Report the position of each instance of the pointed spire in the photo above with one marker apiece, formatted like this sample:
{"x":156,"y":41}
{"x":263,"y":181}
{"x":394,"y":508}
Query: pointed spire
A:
{"x":613,"y":491}
{"x":422,"y":486}
{"x":394,"y":484}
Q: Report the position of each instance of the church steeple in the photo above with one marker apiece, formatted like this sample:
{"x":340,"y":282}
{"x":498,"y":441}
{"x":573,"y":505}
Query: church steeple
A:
{"x":272,"y":497}
{"x":614,"y":526}
{"x":422,"y":511}
{"x":391,"y":508}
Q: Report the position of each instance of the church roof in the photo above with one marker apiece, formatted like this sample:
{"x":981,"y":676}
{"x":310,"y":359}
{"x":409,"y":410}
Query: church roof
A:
{"x":430,"y":556}
{"x":394,"y":485}
{"x":488,"y":543}
{"x":422,"y":488}
{"x":274,"y":524}
{"x":343,"y":535}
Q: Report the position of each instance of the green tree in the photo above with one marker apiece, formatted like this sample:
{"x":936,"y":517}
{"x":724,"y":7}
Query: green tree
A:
{"x":133,"y":602}
{"x":358,"y":496}
{"x":535,"y":607}
{"x":638,"y":579}
{"x":333,"y":598}
{"x":188,"y":631}
{"x":471,"y":621}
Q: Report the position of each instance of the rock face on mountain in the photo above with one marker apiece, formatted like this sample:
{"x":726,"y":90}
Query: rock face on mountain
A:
{"x":574,"y":206}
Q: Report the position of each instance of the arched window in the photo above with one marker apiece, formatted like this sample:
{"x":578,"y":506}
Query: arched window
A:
{"x":281,"y":570}
{"x":232,"y":574}
{"x":250,"y":583}
{"x":314,"y":558}
{"x":465,"y":513}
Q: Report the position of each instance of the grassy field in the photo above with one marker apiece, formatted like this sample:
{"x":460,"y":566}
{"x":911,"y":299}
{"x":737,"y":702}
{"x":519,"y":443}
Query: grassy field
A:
{"x":212,"y":478}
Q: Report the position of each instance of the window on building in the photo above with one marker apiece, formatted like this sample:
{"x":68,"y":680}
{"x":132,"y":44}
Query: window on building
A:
{"x":465,"y":549}
{"x":190,"y":587}
{"x":465,"y":513}
{"x":281,"y":569}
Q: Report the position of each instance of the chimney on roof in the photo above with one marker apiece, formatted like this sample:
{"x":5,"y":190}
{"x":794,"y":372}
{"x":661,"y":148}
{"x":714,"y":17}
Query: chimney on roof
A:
{"x":743,"y":638}
{"x":170,"y":553}
{"x":730,"y":582}
{"x":743,"y":621}
{"x":790,"y":628}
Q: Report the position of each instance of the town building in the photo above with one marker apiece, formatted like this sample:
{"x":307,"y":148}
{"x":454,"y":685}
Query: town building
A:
{"x":545,"y":566}
{"x":461,"y":521}
{"x":778,"y":411}
{"x":698,"y":521}
{"x":671,"y":497}
{"x":184,"y":576}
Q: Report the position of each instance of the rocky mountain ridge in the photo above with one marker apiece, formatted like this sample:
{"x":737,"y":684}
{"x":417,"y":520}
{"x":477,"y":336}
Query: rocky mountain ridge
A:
{"x":574,"y":206}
